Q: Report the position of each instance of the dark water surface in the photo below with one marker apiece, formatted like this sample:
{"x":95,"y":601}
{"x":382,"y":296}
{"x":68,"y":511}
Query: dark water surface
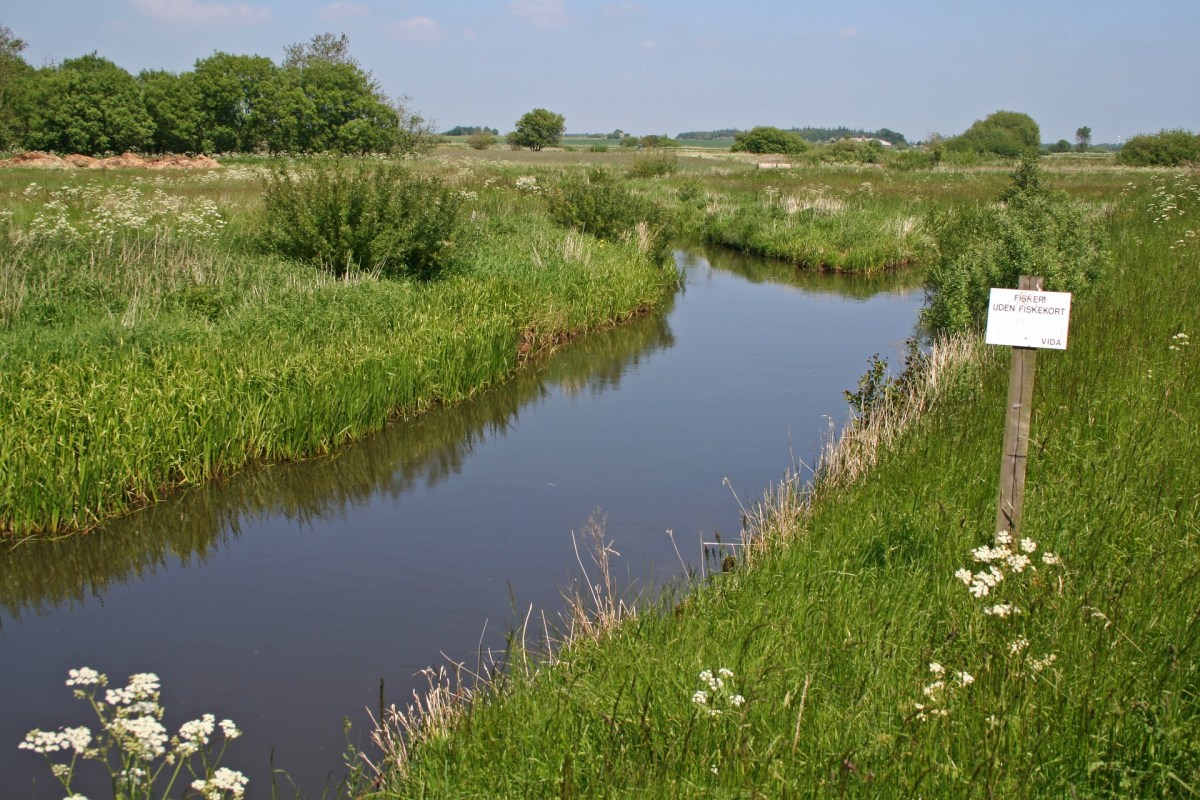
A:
{"x":281,"y":596}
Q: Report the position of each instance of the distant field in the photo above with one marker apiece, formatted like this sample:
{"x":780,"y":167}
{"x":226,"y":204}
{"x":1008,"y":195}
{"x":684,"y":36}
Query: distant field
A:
{"x":584,"y":142}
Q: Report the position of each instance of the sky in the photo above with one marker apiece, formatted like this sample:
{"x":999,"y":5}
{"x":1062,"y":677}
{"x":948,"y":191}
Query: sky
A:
{"x":666,"y":66}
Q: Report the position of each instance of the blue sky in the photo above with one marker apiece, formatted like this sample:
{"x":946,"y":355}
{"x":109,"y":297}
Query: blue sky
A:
{"x":651,"y":66}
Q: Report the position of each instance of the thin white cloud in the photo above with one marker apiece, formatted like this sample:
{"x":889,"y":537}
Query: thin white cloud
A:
{"x":541,"y":13}
{"x":336,"y":12}
{"x":193,"y":12}
{"x":418,"y":29}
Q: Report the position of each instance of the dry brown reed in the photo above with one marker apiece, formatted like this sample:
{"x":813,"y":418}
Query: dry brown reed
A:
{"x":590,"y":614}
{"x":781,"y":516}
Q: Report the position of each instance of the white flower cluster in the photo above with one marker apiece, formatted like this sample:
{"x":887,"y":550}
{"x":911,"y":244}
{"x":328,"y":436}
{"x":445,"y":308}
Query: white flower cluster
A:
{"x":718,"y":692}
{"x":85,"y":676}
{"x":1179,"y":341}
{"x":528,"y":184}
{"x":73,"y":739}
{"x":143,"y":737}
{"x":222,"y":781}
{"x":940,"y":691}
{"x":142,"y":688}
{"x":102,"y":214}
{"x":998,"y":558}
{"x":130,"y":722}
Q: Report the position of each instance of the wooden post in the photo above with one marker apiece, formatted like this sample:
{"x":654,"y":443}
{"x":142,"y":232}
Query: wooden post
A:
{"x":1016,"y":429}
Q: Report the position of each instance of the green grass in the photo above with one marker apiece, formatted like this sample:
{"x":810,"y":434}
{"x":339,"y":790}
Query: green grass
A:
{"x":830,"y":633}
{"x":158,"y":345}
{"x":148,"y":357}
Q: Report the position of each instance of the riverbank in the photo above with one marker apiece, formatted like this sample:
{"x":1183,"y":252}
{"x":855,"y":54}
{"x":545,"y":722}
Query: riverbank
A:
{"x":147,"y":343}
{"x":862,"y":654}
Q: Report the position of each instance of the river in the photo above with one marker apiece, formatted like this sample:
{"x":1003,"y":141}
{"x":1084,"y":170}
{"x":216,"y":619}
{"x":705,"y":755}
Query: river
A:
{"x":280,"y":597}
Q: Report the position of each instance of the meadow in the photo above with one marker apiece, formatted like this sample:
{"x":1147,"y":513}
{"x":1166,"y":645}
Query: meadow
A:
{"x":874,"y":636}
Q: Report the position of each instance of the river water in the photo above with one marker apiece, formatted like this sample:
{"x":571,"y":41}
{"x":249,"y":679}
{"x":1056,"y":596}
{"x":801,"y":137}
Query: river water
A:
{"x":281,"y":597}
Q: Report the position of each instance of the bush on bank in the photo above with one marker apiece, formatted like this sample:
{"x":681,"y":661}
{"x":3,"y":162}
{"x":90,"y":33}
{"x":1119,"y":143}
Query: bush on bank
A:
{"x":1032,"y":231}
{"x":352,"y":215}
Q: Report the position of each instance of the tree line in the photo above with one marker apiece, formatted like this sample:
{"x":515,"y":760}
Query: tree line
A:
{"x":319,"y":99}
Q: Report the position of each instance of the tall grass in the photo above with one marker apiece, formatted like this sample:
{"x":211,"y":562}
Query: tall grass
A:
{"x":870,"y":662}
{"x":142,"y":359}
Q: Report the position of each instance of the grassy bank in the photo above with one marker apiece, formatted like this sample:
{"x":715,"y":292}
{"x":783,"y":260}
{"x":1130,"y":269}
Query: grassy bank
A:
{"x":866,"y":652}
{"x":146,"y":342}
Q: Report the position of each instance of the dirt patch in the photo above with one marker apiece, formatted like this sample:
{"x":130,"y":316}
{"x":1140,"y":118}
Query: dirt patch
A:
{"x":124,"y":161}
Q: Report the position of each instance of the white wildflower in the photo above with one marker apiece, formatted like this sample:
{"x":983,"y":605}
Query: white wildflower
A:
{"x":725,"y":673}
{"x":980,"y":589}
{"x":40,"y":741}
{"x":1039,"y":664}
{"x":964,"y":678}
{"x":85,"y":676}
{"x":986,"y":554}
{"x":77,"y":739}
{"x":142,"y":737}
{"x":1002,"y":610}
{"x":936,"y":668}
{"x":700,"y":698}
{"x":229,"y":729}
{"x":1003,"y":538}
{"x":737,"y":700}
{"x":223,"y":780}
{"x":1028,"y":545}
{"x":965,"y":576}
{"x":1051,"y":559}
{"x":1019,"y":563}
{"x":1017,"y":645}
{"x":195,"y":734}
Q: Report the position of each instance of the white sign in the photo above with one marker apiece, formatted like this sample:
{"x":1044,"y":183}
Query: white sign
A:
{"x":1024,"y":318}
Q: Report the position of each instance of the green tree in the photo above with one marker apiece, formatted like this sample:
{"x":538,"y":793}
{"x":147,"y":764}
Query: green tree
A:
{"x":14,"y":80}
{"x":1008,"y":134}
{"x":87,"y":105}
{"x":172,"y":102}
{"x":238,"y":102}
{"x":765,"y":139}
{"x":327,"y":102}
{"x":1163,"y":149}
{"x":1061,"y":146}
{"x":1083,"y":138}
{"x":537,"y":129}
{"x":324,"y":48}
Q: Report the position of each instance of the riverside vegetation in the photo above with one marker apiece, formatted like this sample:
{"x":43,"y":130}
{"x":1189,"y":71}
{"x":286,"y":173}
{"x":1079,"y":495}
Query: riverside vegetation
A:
{"x":161,"y":331}
{"x":168,"y":337}
{"x":876,"y":637}
{"x":156,"y":332}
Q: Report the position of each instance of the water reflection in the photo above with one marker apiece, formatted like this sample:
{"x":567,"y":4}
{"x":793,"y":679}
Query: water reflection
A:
{"x":41,"y":576}
{"x":768,"y":270}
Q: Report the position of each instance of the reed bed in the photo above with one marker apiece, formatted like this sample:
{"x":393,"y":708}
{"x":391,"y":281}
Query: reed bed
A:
{"x":885,"y":641}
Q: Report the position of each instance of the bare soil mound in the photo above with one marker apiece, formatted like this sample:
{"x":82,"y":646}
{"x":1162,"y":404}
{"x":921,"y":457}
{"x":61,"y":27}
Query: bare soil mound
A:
{"x":123,"y":161}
